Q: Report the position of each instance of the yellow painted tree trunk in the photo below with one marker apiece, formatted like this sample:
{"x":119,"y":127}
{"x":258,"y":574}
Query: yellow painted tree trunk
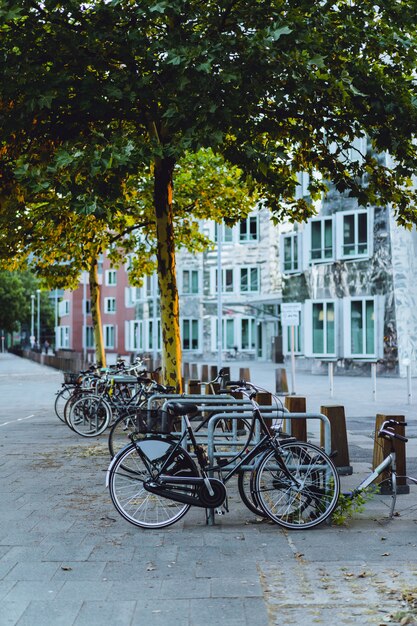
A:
{"x":171,"y":342}
{"x":96,"y":314}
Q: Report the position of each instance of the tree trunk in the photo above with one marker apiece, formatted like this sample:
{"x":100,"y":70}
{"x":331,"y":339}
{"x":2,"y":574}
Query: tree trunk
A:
{"x":96,"y":314}
{"x":171,"y":342}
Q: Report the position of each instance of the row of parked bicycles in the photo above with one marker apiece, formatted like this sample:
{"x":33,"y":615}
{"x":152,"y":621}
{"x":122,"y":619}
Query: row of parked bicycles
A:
{"x":171,"y":452}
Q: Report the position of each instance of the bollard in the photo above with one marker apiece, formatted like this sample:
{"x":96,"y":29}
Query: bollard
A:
{"x":339,"y":442}
{"x":265,"y":399}
{"x":194,"y":386}
{"x":244,"y":373}
{"x":298,"y":427}
{"x":382,"y":448}
{"x":205,"y":373}
{"x":281,"y":383}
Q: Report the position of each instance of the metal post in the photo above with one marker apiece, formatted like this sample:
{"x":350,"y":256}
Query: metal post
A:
{"x":38,"y":312}
{"x":409,"y":390}
{"x":373,"y":371}
{"x":292,"y":360}
{"x":56,"y":318}
{"x":84,"y":338}
{"x":219,"y":297}
{"x":32,"y":321}
{"x":330,"y":366}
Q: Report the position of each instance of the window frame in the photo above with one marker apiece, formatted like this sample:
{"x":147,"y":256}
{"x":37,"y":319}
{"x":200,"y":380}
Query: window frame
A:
{"x":193,"y":285}
{"x":249,"y":269}
{"x":322,"y":258}
{"x":377,"y":326}
{"x":295,"y":252}
{"x":111,"y":278}
{"x":193,"y":335}
{"x":245,"y":237}
{"x":109,"y":332}
{"x":109,"y":310}
{"x":341,"y":217}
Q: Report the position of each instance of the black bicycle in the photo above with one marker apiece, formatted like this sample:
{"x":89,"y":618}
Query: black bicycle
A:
{"x":155,"y":480}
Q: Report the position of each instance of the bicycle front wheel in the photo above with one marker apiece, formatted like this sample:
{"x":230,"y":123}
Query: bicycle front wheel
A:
{"x":135,"y":465}
{"x":120,"y":431}
{"x":60,"y":401}
{"x":303,"y":496}
{"x":89,"y":416}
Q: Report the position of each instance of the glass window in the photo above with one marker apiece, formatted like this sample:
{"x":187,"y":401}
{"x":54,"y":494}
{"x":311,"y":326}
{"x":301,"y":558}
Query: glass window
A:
{"x":190,"y":334}
{"x":355,"y":234}
{"x":362,"y":327}
{"x":89,"y":337}
{"x":227,"y":233}
{"x":290,"y":252}
{"x":228,"y":334}
{"x":322,"y":240}
{"x":109,"y":335}
{"x":111,"y":277}
{"x":249,"y":279}
{"x":323,"y":328}
{"x":248,"y":229}
{"x":227,"y":280}
{"x":110,"y":305}
{"x":190,"y":281}
{"x":247,"y":340}
{"x":63,"y":337}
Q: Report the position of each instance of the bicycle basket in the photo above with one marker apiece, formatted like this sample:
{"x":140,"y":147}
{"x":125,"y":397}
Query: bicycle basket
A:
{"x":155,"y":421}
{"x":70,"y":378}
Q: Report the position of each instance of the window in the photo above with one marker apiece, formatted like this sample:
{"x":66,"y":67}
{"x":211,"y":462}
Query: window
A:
{"x":87,"y":306}
{"x":248,"y":336}
{"x":353,"y":234}
{"x":226,"y":232}
{"x":190,"y":334}
{"x":323,"y":322}
{"x":64,"y":308}
{"x":291,"y":261}
{"x":321,"y":240}
{"x":190,"y":281}
{"x":109,"y":336}
{"x":151,"y":339}
{"x":110,"y":305}
{"x":249,"y":279}
{"x":89,"y":337}
{"x":228,"y":333}
{"x":136,"y":339}
{"x":111,"y":278}
{"x":362,"y":327}
{"x":227,"y":281}
{"x":248,"y":229}
{"x":63,"y":337}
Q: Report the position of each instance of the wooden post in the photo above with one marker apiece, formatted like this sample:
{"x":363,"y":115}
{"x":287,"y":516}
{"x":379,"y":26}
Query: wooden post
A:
{"x":298,"y":427}
{"x":382,"y":448}
{"x":244,"y":373}
{"x":281,"y":383}
{"x":339,"y":442}
{"x":194,"y":386}
{"x":204,"y":373}
{"x":265,"y":399}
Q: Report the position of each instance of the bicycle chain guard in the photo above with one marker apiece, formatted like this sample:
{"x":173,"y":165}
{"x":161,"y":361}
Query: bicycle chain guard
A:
{"x":192,"y":490}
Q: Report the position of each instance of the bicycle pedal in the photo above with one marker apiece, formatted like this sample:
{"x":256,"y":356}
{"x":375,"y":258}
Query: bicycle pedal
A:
{"x":220,"y":512}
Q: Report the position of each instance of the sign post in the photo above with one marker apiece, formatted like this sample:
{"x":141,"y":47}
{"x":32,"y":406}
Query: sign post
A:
{"x":290,"y":316}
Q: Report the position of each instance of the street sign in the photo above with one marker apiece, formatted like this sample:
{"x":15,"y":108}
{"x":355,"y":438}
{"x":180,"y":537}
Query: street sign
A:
{"x":291,"y":318}
{"x":290,"y":313}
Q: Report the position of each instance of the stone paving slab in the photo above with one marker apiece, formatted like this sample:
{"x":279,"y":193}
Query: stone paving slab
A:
{"x":67,"y":557}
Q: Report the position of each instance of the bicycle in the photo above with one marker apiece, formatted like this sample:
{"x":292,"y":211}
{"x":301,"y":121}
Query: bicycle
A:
{"x":154,"y":481}
{"x":387,"y":469}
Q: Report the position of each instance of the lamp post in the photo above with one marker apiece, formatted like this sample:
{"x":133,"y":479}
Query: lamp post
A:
{"x":38,"y":291}
{"x":32,"y":321}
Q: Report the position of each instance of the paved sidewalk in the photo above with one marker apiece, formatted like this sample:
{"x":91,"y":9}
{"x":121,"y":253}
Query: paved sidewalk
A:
{"x":67,"y":558}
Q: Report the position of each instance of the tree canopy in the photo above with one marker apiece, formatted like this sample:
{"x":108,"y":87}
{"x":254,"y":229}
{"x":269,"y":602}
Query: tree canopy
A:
{"x":275,"y":86}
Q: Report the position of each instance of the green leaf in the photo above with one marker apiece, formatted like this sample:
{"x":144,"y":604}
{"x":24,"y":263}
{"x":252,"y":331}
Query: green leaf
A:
{"x":278,"y":32}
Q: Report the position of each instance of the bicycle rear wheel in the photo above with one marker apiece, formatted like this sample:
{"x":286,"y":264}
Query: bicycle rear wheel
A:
{"x":60,"y":401}
{"x":135,"y":465}
{"x":89,"y":416}
{"x":305,"y":498}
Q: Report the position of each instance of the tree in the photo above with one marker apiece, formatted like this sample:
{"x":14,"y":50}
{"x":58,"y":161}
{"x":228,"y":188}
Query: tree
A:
{"x":276,"y":86}
{"x":51,"y":235}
